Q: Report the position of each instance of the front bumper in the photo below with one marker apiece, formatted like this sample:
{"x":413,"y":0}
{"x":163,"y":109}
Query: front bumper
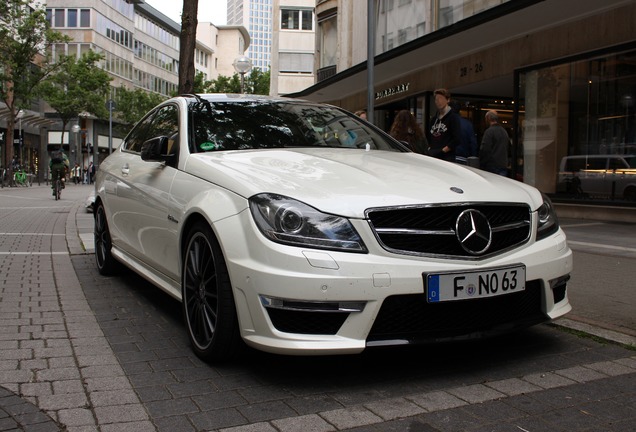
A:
{"x":303,"y":301}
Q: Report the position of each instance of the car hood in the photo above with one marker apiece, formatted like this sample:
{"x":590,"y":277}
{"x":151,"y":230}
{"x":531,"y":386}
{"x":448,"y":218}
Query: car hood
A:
{"x":348,"y":181}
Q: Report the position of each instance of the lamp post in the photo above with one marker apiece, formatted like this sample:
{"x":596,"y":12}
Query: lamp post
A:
{"x":18,"y":117}
{"x":75,"y":129}
{"x":242,"y":65}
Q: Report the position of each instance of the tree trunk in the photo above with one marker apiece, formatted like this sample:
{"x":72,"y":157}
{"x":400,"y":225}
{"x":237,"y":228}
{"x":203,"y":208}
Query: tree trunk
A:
{"x":187,"y":45}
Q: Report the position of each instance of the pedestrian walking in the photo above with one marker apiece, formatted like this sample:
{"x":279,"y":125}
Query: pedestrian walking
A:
{"x":493,"y":154}
{"x":445,"y":132}
{"x":468,"y":145}
{"x":406,"y":129}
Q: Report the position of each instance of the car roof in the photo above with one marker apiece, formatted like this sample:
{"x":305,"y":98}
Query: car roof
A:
{"x":235,"y":97}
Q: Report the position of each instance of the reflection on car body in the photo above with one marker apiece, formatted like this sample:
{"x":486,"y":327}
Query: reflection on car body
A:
{"x":300,"y":229}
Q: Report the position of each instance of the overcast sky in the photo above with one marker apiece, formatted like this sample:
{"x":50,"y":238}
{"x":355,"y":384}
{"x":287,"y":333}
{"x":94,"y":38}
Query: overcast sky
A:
{"x":214,"y":11}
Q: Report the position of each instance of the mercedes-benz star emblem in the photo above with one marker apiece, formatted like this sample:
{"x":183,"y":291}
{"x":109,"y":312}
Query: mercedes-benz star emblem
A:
{"x":473,"y":231}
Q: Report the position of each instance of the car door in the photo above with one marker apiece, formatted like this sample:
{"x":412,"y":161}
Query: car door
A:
{"x":145,"y":194}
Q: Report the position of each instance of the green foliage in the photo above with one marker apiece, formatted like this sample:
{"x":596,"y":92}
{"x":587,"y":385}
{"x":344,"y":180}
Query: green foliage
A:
{"x":256,"y":82}
{"x":132,"y":105}
{"x":25,"y":37}
{"x":80,"y":85}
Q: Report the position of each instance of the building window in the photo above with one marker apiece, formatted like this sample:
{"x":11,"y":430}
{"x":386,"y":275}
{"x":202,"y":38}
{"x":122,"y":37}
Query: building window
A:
{"x":72,"y":17}
{"x":59,"y":18}
{"x":296,"y":62}
{"x":85,"y":18}
{"x":297,"y":19}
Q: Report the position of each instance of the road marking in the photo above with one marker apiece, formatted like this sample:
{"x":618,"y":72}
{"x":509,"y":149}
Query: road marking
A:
{"x":33,"y":253}
{"x":32,"y":234}
{"x":602,"y":246}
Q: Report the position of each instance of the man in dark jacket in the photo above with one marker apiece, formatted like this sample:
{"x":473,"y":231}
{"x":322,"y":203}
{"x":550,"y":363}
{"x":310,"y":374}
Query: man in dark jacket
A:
{"x":493,"y":154}
{"x":445,"y":132}
{"x":468,"y":146}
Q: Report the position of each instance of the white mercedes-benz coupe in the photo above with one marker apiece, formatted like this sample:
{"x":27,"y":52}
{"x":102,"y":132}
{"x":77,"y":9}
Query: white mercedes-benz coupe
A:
{"x":299,"y":228}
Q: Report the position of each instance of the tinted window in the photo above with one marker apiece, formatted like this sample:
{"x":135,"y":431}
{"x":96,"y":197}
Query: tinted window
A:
{"x":140,"y":133}
{"x":259,"y":125}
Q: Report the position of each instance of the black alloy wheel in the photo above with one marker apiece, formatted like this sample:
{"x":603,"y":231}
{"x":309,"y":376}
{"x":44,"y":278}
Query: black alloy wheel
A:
{"x":106,"y":263}
{"x":208,"y":302}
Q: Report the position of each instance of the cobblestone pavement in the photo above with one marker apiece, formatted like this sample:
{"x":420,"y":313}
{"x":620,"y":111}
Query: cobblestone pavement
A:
{"x":83,"y":352}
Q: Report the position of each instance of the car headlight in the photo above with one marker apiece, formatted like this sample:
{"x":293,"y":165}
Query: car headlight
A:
{"x":547,"y":219}
{"x":291,"y":222}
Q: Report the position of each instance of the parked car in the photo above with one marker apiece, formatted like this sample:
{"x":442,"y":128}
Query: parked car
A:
{"x":599,"y":176}
{"x":299,"y":228}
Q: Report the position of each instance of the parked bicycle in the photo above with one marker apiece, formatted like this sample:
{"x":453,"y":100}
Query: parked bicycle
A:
{"x":21,"y":178}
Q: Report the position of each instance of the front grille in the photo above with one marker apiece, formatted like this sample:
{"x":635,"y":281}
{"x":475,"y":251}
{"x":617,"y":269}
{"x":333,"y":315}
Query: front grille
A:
{"x":412,"y":318}
{"x":431,"y":230}
{"x":306,"y":322}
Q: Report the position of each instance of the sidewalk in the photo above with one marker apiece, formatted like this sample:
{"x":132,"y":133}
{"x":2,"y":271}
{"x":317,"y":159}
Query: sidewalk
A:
{"x":53,"y":351}
{"x":52,"y":348}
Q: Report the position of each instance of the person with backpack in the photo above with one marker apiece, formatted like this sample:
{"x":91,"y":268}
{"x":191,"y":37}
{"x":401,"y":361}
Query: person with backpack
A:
{"x":59,"y":165}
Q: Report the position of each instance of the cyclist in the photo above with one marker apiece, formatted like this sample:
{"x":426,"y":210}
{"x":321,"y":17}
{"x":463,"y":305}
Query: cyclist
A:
{"x":59,"y":165}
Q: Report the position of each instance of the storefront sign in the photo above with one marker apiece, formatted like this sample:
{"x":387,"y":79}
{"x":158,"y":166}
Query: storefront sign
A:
{"x":466,"y":70}
{"x":400,"y":88}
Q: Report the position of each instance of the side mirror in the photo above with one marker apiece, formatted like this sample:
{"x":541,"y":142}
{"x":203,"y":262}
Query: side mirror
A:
{"x":156,"y":149}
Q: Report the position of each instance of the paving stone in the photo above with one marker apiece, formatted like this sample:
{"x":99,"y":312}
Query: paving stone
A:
{"x":475,"y":393}
{"x":120,"y":414}
{"x":390,"y":409}
{"x":62,"y":401}
{"x":307,"y":423}
{"x":217,"y":419}
{"x":77,"y":417}
{"x":137,"y":426}
{"x":513,"y":386}
{"x":438,"y":400}
{"x":255,"y":427}
{"x":113,"y":397}
{"x":67,"y":386}
{"x":348,"y":418}
{"x":610,"y":368}
{"x":264,"y":411}
{"x":548,"y":380}
{"x":580,"y":374}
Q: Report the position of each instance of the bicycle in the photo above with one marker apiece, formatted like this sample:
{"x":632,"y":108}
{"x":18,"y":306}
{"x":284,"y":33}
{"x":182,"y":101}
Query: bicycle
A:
{"x":21,"y":178}
{"x":57,"y":188}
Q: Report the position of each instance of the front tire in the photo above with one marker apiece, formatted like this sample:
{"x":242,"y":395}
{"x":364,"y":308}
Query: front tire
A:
{"x":208,"y":303}
{"x":106,"y":263}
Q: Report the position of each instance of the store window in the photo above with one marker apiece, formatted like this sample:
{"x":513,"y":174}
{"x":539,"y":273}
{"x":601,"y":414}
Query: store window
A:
{"x":578,"y":129}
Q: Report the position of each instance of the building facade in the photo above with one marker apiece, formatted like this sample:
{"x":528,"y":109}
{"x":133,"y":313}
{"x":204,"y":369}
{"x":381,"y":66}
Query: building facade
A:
{"x":564,"y":92}
{"x":140,"y":46}
{"x":293,"y":46}
{"x":256,"y":16}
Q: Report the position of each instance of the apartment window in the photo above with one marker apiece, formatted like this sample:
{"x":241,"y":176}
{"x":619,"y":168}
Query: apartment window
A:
{"x":72,"y":18}
{"x":296,"y":19}
{"x":296,"y":62}
{"x":59,"y":18}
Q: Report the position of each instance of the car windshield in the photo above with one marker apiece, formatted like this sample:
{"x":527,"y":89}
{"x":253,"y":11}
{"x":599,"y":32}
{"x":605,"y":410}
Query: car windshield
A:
{"x":218,"y":126}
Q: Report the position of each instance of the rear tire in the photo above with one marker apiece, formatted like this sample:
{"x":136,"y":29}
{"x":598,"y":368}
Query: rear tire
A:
{"x":208,"y":303}
{"x":106,"y":263}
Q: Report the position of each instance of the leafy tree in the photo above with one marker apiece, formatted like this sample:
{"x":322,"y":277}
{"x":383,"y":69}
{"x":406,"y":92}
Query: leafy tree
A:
{"x":132,"y":105}
{"x":25,"y":38}
{"x":256,"y":82}
{"x":79,"y":86}
{"x":187,"y":43}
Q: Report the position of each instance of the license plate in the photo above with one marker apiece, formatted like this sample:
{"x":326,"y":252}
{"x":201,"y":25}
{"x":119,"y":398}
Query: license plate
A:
{"x":443,"y":287}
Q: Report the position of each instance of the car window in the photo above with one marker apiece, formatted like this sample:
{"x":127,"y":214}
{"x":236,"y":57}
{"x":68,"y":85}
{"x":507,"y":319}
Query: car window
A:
{"x":597,"y":163}
{"x":258,"y":125}
{"x":139,"y":134}
{"x":617,"y":163}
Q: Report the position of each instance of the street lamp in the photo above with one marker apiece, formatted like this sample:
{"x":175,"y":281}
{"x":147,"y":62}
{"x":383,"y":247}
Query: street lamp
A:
{"x":76,"y":129}
{"x":242,"y":65}
{"x":18,"y":117}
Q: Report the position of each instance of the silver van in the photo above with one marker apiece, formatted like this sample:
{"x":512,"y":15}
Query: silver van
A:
{"x":600,"y":176}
